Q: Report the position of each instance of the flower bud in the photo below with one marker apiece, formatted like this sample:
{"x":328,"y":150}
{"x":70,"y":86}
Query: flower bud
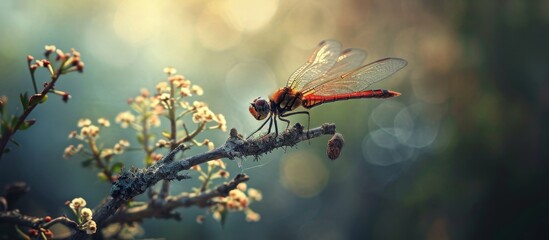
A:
{"x":49,"y":50}
{"x":80,"y":67}
{"x":200,"y":219}
{"x":66,"y":96}
{"x":335,"y":144}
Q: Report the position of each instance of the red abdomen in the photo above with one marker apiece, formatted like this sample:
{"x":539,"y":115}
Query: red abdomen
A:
{"x":312,"y":100}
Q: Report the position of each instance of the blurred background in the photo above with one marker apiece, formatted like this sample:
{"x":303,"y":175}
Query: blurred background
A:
{"x":462,"y":154}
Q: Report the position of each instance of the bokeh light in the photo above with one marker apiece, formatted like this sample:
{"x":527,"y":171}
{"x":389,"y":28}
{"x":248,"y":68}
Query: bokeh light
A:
{"x":249,"y":15}
{"x":304,"y":174}
{"x":461,"y":154}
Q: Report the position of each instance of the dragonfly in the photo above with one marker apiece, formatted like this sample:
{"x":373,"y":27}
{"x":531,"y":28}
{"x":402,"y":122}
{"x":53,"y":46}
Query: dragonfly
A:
{"x":330,"y":74}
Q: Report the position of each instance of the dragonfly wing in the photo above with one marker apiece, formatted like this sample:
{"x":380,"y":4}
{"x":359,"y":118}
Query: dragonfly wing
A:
{"x":358,"y":79}
{"x":323,"y":59}
{"x":350,"y":59}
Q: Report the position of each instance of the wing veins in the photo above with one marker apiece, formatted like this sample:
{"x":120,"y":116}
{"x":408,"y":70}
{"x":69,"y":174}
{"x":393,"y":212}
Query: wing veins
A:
{"x":357,"y":80}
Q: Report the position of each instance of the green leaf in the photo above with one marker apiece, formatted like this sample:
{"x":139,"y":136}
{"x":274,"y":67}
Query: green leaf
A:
{"x":102,"y":176}
{"x":117,"y":168}
{"x":44,"y":99}
{"x":87,"y":162}
{"x":14,"y":120}
{"x":224,"y":216}
{"x":24,"y":100}
{"x":5,"y":126}
{"x":27,"y":124}
{"x":133,"y":204}
{"x":166,"y":134}
{"x":14,"y":142}
{"x":36,"y":99}
{"x":148,"y":160}
{"x":2,"y":106}
{"x":140,"y":139}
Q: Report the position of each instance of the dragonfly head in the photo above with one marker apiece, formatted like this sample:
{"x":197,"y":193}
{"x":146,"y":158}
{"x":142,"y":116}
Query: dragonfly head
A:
{"x":259,"y":108}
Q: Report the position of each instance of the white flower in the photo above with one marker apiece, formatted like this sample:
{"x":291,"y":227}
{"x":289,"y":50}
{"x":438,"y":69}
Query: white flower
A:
{"x":91,"y":227}
{"x":125,"y":118}
{"x":252,"y":216}
{"x":197,"y":90}
{"x":84,"y":122}
{"x":104,"y":122}
{"x":255,"y":194}
{"x":86,"y":213}
{"x":77,"y":203}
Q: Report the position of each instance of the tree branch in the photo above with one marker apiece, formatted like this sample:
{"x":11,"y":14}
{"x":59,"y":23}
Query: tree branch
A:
{"x":182,"y":200}
{"x":136,"y":181}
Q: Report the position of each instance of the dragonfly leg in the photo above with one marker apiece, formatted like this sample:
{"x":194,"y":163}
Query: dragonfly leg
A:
{"x":300,"y":112}
{"x":270,"y":124}
{"x":262,"y":125}
{"x":284,"y":120}
{"x":276,"y":127}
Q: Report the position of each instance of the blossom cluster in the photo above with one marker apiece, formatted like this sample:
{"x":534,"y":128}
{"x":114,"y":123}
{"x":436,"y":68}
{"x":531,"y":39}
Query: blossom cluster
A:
{"x":83,"y":214}
{"x":168,"y":101}
{"x":88,"y":134}
{"x":70,"y":61}
{"x":238,"y":200}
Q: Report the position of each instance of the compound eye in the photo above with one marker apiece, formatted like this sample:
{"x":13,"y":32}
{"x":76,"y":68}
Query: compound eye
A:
{"x":259,"y":108}
{"x":254,"y":113}
{"x":260,"y":103}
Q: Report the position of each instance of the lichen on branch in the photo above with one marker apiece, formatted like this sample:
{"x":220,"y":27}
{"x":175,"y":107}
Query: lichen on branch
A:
{"x":136,"y":181}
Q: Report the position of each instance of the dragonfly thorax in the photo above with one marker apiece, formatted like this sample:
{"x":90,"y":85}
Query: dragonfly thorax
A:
{"x":286,"y":99}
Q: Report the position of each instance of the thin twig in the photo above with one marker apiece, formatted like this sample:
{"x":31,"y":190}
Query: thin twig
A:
{"x":16,"y":218}
{"x":98,"y":162}
{"x":191,"y":136}
{"x":165,"y":189}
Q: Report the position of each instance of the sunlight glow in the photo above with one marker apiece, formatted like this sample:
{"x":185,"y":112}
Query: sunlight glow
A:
{"x":214,"y":32}
{"x":137,"y":21}
{"x":249,"y":15}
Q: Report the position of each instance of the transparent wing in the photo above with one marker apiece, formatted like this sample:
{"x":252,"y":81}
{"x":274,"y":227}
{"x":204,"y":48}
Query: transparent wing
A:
{"x":323,"y":59}
{"x":358,"y":79}
{"x":350,"y":59}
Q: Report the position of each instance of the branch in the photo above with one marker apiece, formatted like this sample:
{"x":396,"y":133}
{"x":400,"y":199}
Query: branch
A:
{"x":13,"y":192}
{"x":136,"y":181}
{"x":32,"y":104}
{"x":16,"y":218}
{"x":182,"y":200}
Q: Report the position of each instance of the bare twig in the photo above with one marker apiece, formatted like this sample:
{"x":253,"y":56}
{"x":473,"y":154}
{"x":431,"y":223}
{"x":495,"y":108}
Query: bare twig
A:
{"x":165,"y":189}
{"x":16,"y":218}
{"x":98,"y":162}
{"x":136,"y":181}
{"x":190,"y":136}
